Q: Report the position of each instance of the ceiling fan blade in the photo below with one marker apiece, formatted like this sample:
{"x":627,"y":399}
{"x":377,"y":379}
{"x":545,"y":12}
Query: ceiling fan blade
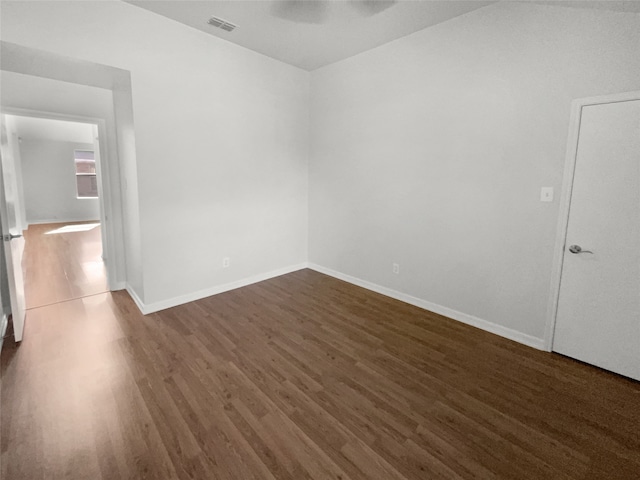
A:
{"x":300,"y":11}
{"x":372,"y":7}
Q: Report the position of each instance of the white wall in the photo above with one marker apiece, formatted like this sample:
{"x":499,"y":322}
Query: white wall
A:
{"x":221,"y":136}
{"x":35,"y":128}
{"x":430,"y":151}
{"x":125,"y":130}
{"x":48,"y":175}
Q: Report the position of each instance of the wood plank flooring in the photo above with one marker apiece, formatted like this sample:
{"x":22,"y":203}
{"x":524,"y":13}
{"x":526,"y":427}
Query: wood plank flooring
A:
{"x":62,"y":266}
{"x":301,"y":377}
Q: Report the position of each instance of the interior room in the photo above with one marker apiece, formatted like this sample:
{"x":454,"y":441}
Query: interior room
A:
{"x":358,"y":239}
{"x":58,"y":208}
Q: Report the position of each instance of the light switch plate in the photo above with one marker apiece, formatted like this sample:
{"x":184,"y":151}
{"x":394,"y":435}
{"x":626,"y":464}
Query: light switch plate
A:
{"x":546,"y":194}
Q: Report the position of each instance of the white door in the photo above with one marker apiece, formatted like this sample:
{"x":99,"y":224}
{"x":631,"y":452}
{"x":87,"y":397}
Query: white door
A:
{"x":598,"y":315}
{"x":11,"y":234}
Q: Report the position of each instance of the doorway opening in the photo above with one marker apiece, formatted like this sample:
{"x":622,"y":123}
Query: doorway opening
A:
{"x":37,"y":83}
{"x":58,"y":208}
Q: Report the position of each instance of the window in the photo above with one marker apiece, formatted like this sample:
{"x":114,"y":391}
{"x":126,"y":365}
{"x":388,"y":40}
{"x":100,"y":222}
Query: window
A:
{"x":86,"y":180}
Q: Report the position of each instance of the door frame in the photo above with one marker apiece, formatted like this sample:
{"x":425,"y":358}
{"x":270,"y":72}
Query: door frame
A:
{"x":105,"y":193}
{"x":565,"y":201}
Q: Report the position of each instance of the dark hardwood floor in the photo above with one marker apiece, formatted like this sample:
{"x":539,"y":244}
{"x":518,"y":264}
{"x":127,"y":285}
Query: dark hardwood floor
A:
{"x":301,"y":377}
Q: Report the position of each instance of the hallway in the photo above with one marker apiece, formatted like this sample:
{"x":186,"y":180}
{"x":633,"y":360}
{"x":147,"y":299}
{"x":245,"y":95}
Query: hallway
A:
{"x":62,"y":261}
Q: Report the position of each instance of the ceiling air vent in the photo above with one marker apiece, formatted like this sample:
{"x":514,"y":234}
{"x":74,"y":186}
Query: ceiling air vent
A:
{"x":223,"y":24}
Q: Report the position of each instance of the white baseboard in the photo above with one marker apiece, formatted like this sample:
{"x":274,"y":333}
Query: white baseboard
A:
{"x":191,"y":297}
{"x":486,"y":325}
{"x":138,"y":301}
{"x":4,"y":323}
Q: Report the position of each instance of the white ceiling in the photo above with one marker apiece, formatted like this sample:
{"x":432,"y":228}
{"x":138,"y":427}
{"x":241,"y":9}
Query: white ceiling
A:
{"x":345,"y":31}
{"x":31,"y":128}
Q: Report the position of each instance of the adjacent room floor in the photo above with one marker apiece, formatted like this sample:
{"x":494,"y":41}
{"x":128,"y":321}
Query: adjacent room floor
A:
{"x":62,"y":261}
{"x":301,"y":377}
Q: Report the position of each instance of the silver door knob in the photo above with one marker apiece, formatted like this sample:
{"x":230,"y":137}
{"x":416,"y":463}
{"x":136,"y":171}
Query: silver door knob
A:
{"x":578,"y":249}
{"x":10,"y":236}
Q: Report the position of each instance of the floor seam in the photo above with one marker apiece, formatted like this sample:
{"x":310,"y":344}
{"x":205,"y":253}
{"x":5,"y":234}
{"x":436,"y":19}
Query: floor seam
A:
{"x":69,"y":300}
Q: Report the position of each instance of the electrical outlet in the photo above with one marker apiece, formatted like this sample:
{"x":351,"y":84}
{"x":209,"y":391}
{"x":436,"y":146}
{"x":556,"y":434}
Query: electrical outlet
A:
{"x":226,"y":261}
{"x":396,"y":268}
